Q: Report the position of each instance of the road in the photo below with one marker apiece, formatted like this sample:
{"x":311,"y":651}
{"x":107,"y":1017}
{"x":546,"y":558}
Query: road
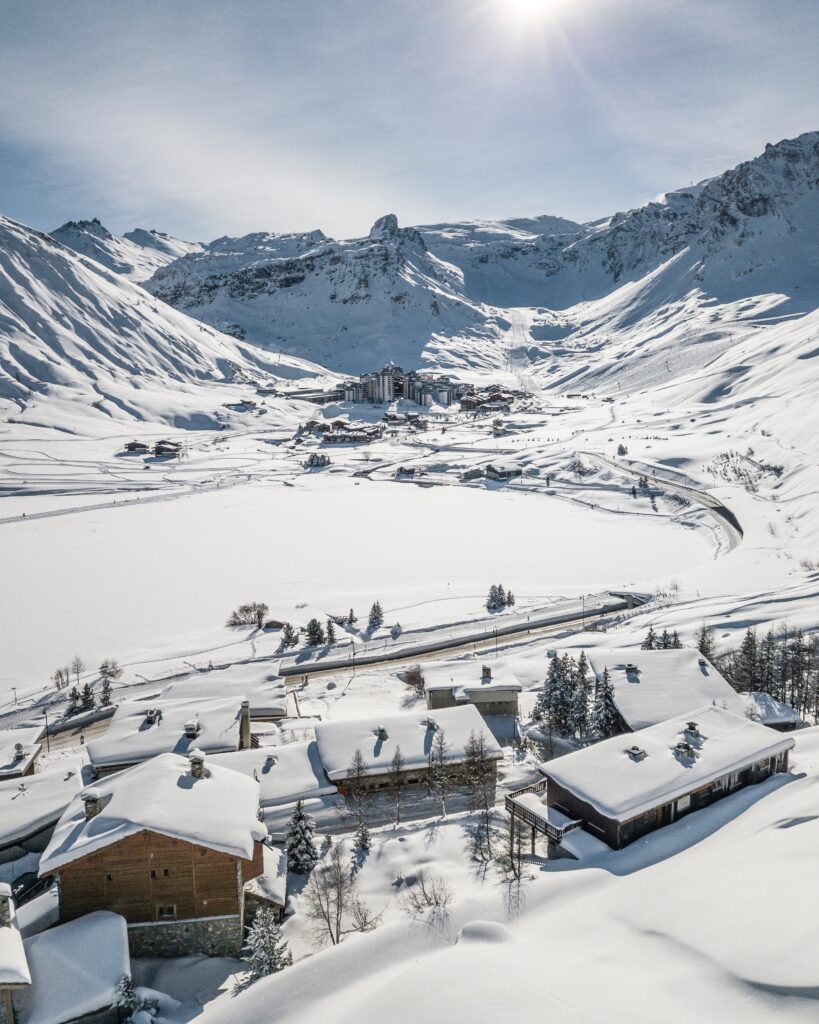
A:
{"x":474,"y":636}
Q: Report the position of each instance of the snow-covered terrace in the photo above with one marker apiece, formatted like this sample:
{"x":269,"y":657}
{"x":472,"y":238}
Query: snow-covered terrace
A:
{"x":652,"y":686}
{"x":378,"y":738}
{"x":218,"y":811}
{"x":18,"y":750}
{"x":142,"y":729}
{"x":626,"y":776}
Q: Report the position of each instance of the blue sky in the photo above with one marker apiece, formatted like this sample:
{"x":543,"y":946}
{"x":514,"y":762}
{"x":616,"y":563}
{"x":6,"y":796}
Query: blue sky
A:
{"x":211,"y":117}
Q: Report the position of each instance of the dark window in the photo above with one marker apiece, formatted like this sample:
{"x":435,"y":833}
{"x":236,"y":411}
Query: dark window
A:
{"x":165,"y":872}
{"x":166,"y":912}
{"x":153,"y":873}
{"x":109,"y":877}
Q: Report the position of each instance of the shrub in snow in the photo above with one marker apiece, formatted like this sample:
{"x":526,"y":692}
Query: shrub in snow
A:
{"x":253,"y":614}
{"x":125,"y":998}
{"x":266,"y":948}
{"x":301,"y":848}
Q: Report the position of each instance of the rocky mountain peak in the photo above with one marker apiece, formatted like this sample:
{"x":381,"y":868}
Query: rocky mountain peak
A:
{"x":386,"y":227}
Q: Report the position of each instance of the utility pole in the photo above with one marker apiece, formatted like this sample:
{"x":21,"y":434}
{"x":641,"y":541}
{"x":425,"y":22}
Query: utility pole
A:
{"x":48,"y":741}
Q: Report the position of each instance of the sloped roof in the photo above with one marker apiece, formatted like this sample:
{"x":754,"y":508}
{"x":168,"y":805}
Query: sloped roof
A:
{"x":28,"y":737}
{"x":31,"y":803}
{"x":14,"y":969}
{"x":766,"y":709}
{"x":266,"y":696}
{"x":160,"y":795}
{"x":286,"y":773}
{"x":131,"y":738}
{"x":652,"y":686}
{"x":622,"y":786}
{"x":338,"y":741}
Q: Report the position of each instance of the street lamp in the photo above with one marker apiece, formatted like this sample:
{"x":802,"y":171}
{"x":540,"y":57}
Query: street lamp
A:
{"x":48,"y":741}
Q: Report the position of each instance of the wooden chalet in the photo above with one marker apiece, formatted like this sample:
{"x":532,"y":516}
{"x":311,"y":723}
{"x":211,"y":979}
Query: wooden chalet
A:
{"x":137,"y":447}
{"x":169,"y":845}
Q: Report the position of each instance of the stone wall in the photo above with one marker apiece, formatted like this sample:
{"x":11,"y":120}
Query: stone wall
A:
{"x":213,"y":936}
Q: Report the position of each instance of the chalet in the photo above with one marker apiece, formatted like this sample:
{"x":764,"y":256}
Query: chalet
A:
{"x":765,"y":709}
{"x":139,"y":730}
{"x":168,"y":449}
{"x":91,"y":955}
{"x":19,"y":750}
{"x":137,"y":447}
{"x":502,"y":471}
{"x":266,"y":696}
{"x":14,"y":970}
{"x":451,"y":684}
{"x":30,"y":807}
{"x":653,"y":686}
{"x":413,"y":732}
{"x":623,"y":788}
{"x":170,"y":845}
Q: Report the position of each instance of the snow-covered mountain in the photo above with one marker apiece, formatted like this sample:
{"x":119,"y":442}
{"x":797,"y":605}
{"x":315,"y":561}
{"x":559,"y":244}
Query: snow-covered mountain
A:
{"x":345,"y":304}
{"x":434,"y":294}
{"x":76,"y":336}
{"x":136,"y":255}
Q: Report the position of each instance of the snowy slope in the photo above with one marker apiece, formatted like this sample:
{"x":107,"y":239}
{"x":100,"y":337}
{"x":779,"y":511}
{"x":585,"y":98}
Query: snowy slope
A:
{"x":135,"y":256}
{"x":72,"y":332}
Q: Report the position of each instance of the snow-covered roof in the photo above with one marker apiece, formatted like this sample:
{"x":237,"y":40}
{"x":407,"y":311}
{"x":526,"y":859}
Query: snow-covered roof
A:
{"x":762,"y":707}
{"x":14,"y":969}
{"x":28,"y":737}
{"x":75,"y":968}
{"x":268,"y":697}
{"x":467,"y":676}
{"x":32,"y":803}
{"x":652,"y":686}
{"x":131,"y":737}
{"x":338,"y":741}
{"x":623,"y":785}
{"x":271,"y":885}
{"x":161,"y":795}
{"x":290,"y":772}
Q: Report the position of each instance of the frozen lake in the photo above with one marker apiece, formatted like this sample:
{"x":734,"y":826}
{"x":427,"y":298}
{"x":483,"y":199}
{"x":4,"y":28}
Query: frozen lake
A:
{"x":156,"y":579}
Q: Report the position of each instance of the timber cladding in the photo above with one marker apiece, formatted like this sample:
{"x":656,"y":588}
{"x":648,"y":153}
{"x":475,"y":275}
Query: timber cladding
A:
{"x":151,"y":877}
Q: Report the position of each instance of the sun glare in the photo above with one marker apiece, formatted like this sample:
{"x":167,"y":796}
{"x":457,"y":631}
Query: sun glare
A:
{"x":526,"y":10}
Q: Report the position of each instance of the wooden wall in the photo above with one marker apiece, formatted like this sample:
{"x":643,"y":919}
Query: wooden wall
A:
{"x":145,"y":871}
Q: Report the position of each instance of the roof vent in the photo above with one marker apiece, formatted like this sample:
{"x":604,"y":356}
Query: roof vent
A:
{"x":703,"y":663}
{"x":192,"y":727}
{"x":92,"y":802}
{"x":153,"y":715}
{"x":684,"y":749}
{"x":19,"y":753}
{"x":631,"y":668}
{"x":197,"y":763}
{"x":636,"y":753}
{"x":382,"y":733}
{"x":692,"y":729}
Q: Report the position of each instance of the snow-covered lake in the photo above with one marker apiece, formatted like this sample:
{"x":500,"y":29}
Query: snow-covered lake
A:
{"x":146,"y":580}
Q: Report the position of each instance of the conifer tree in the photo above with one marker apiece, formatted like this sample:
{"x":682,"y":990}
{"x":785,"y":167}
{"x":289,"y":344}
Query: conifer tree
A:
{"x":352,"y":618}
{"x":87,"y":700}
{"x":289,"y":636}
{"x":376,"y":617}
{"x":492,"y":598}
{"x":510,"y":599}
{"x":315,"y":634}
{"x":301,"y":849}
{"x":266,"y":948}
{"x":74,"y":699}
{"x":501,"y":596}
{"x":650,"y":642}
{"x":604,"y":719}
{"x":665,"y":641}
{"x":580,"y":694}
{"x":331,"y":632}
{"x":125,"y":998}
{"x":705,"y":641}
{"x":105,"y":693}
{"x":397,"y":781}
{"x":676,"y":643}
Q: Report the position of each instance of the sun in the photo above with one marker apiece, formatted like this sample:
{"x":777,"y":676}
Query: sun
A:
{"x":526,"y":10}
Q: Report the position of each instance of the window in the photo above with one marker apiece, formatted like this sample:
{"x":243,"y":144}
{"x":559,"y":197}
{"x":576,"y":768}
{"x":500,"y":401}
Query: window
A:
{"x":166,"y":912}
{"x":165,"y":873}
{"x":109,"y":877}
{"x":683,"y":804}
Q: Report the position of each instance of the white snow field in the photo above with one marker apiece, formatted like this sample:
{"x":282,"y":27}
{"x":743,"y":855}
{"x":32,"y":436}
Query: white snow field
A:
{"x":149,"y":581}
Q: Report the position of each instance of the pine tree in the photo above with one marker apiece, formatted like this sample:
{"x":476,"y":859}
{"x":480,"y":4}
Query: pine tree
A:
{"x":331,"y":632}
{"x":301,"y":849}
{"x":74,"y":698}
{"x":492,"y":598}
{"x":376,"y":617}
{"x":580,"y":694}
{"x":705,"y":641}
{"x":87,"y":700}
{"x":362,"y":836}
{"x":289,"y":636}
{"x":397,"y":780}
{"x":510,"y":599}
{"x":604,"y":717}
{"x":266,"y":948}
{"x":650,"y":642}
{"x":352,"y":618}
{"x":665,"y":640}
{"x":315,"y":634}
{"x":746,"y":663}
{"x":105,"y":693}
{"x":501,"y":596}
{"x":676,"y":643}
{"x":125,"y":995}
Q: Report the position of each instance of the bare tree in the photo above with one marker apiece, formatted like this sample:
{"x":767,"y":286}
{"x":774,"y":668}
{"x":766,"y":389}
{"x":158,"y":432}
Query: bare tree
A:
{"x":480,"y":773}
{"x":61,"y":678}
{"x":77,"y":667}
{"x":428,"y":892}
{"x":414,"y":678}
{"x":332,"y":903}
{"x":253,"y":614}
{"x":397,"y":781}
{"x":109,"y":669}
{"x":359,"y":798}
{"x":438,"y":777}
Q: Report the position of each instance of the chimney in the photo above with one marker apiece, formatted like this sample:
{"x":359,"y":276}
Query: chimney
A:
{"x":5,"y":905}
{"x":92,"y":801}
{"x":19,"y":753}
{"x":197,"y":763}
{"x":486,"y":674}
{"x":192,"y":728}
{"x":244,"y":726}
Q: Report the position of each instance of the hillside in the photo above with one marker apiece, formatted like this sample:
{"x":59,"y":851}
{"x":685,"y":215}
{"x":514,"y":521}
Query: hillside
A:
{"x":76,"y":338}
{"x":136,"y":255}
